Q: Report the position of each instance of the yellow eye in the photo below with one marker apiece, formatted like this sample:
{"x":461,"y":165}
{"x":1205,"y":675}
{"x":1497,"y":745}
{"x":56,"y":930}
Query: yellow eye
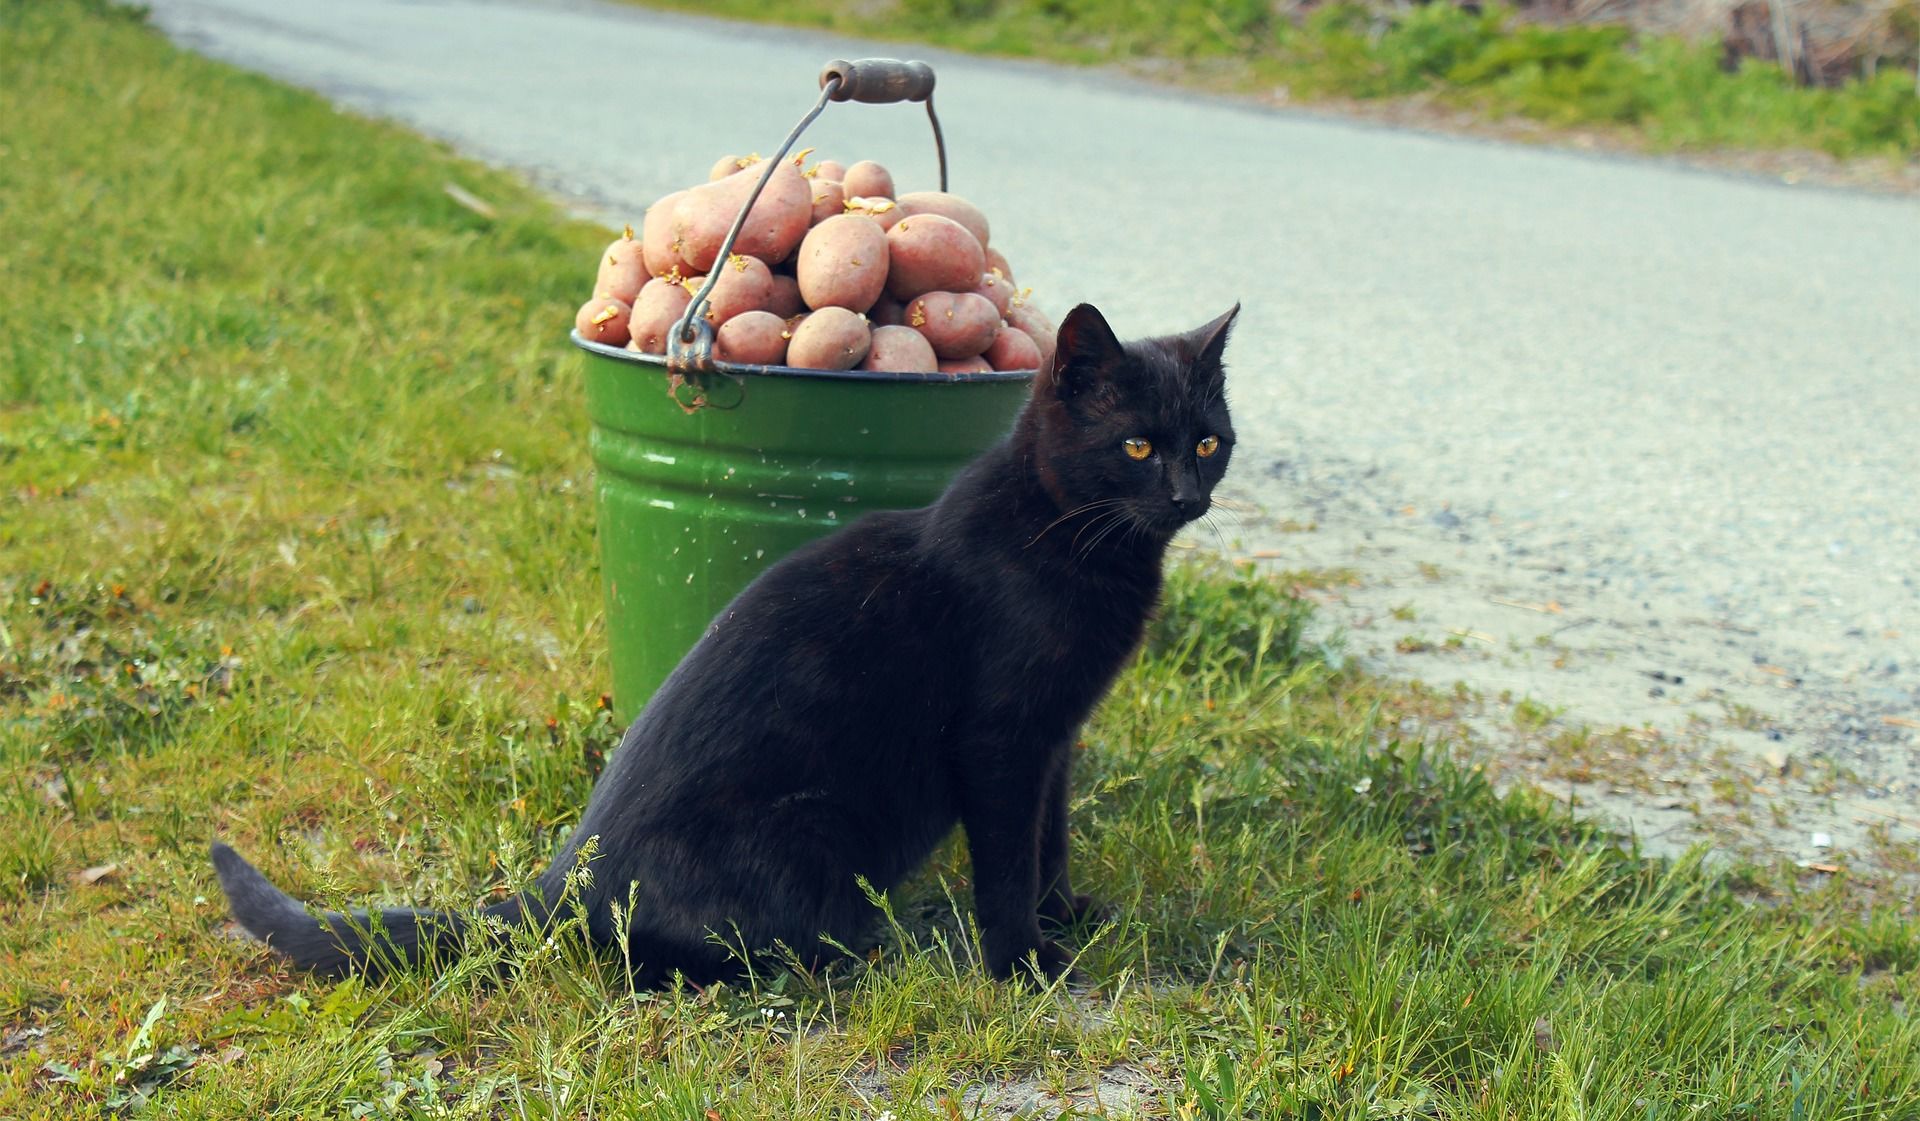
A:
{"x":1137,"y":448}
{"x":1208,"y":446}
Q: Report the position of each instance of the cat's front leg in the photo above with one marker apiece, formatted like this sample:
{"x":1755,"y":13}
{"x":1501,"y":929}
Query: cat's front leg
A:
{"x":1003,"y":817}
{"x":1059,"y":905}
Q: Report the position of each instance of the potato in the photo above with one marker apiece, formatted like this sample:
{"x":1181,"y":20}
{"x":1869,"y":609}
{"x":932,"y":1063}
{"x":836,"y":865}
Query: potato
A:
{"x":843,"y":263}
{"x":1012,"y":349}
{"x":745,"y":284}
{"x":829,"y":199}
{"x":754,"y":338}
{"x":868,"y":180}
{"x":1035,"y":323}
{"x":884,"y":211}
{"x":661,"y":304}
{"x":726,"y":166}
{"x":887,"y":312}
{"x":829,"y":169}
{"x":931,"y":253}
{"x":658,"y":246}
{"x":776,"y":225}
{"x":621,"y":270}
{"x":974,"y":365}
{"x":996,"y":288}
{"x":948,"y":206}
{"x":832,"y":338}
{"x":900,"y":350}
{"x":786,"y":302}
{"x":997,"y":262}
{"x":603,"y":319}
{"x":958,"y":324}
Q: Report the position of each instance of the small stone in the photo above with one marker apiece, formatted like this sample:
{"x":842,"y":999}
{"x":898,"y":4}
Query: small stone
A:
{"x":1823,"y":840}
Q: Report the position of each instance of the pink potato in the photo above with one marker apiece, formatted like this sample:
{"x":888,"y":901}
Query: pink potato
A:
{"x":996,"y":288}
{"x":745,"y":284}
{"x":753,"y":338}
{"x":932,"y":253}
{"x":957,"y":324}
{"x":900,"y":350}
{"x":832,"y":338}
{"x":829,"y":199}
{"x":843,"y":263}
{"x":1013,"y":349}
{"x":1036,"y":324}
{"x":884,"y":211}
{"x":660,"y":306}
{"x":869,"y":180}
{"x":622,"y":271}
{"x":948,"y":206}
{"x":887,"y":312}
{"x":997,"y":262}
{"x":658,"y":246}
{"x":727,"y":165}
{"x":603,"y":319}
{"x":829,"y":169}
{"x":786,"y":302}
{"x":776,"y":224}
{"x":974,"y":365}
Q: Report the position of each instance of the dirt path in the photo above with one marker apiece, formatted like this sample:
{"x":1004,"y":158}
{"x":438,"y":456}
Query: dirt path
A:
{"x":1681,"y":720}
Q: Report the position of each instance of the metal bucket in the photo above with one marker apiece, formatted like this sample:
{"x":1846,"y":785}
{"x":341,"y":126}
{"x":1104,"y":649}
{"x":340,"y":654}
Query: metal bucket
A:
{"x":708,"y":472}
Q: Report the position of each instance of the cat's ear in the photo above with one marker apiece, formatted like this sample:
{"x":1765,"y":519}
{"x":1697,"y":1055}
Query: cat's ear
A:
{"x":1086,"y":354}
{"x":1206,"y":345}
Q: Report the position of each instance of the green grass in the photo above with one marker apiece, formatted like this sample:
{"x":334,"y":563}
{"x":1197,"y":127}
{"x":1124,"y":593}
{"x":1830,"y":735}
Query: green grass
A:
{"x":296,"y":548}
{"x":1668,"y":93}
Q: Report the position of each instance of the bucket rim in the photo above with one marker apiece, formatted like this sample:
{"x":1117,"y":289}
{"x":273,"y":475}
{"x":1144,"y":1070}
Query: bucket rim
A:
{"x":659,"y":362}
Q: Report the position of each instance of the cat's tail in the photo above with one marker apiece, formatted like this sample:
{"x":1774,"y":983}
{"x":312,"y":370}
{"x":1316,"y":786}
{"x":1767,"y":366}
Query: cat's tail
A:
{"x":335,"y":942}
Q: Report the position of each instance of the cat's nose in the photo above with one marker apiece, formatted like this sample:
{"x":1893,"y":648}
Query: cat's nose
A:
{"x":1190,"y":506}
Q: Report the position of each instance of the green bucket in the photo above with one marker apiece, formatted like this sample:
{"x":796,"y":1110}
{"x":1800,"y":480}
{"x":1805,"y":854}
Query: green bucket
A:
{"x":708,"y":472}
{"x":700,"y":490}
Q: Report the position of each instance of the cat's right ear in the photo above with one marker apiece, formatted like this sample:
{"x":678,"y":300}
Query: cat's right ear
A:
{"x":1086,"y":354}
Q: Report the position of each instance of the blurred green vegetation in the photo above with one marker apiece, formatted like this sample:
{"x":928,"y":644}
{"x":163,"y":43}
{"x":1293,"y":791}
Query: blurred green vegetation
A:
{"x":1673,"y":93}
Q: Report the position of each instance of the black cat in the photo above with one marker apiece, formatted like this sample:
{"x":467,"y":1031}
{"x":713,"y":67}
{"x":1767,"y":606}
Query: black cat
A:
{"x":918,"y":668}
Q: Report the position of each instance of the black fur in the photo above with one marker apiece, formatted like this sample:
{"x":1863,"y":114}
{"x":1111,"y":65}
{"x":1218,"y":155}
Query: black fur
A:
{"x":918,"y":669}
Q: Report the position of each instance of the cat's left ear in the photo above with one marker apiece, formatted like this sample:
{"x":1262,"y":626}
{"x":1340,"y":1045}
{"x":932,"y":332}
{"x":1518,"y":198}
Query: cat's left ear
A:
{"x":1086,"y":353}
{"x":1206,"y":345}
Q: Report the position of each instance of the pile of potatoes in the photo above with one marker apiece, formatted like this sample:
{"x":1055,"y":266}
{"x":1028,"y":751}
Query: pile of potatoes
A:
{"x":832,"y":271}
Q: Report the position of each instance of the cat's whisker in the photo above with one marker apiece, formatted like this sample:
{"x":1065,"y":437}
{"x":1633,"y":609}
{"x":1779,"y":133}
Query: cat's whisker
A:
{"x":1133,"y":528}
{"x":1081,"y":509}
{"x":1218,"y":536}
{"x":1104,"y":520}
{"x":1110,"y":521}
{"x":1232,"y":520}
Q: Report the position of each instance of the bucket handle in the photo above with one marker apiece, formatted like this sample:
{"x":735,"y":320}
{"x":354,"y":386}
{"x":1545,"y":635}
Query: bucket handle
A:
{"x":871,"y":81}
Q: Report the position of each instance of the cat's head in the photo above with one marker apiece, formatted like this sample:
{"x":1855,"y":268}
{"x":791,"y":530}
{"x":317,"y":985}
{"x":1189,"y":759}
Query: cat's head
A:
{"x":1139,"y":427}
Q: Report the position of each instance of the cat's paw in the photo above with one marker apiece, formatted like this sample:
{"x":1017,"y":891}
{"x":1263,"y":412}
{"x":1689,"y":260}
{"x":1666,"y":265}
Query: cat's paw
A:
{"x":1043,"y":963}
{"x":1066,"y":912}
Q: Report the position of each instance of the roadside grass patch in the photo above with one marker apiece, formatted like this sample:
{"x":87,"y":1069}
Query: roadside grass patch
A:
{"x":296,"y":438}
{"x":1670,"y":93}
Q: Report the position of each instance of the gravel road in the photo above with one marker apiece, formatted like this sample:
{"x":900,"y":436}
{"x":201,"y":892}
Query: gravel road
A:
{"x":1637,"y":441}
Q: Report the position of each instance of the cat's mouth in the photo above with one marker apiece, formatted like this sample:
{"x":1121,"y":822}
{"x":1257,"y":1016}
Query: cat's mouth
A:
{"x":1172,"y":517}
{"x":1180,"y":514}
